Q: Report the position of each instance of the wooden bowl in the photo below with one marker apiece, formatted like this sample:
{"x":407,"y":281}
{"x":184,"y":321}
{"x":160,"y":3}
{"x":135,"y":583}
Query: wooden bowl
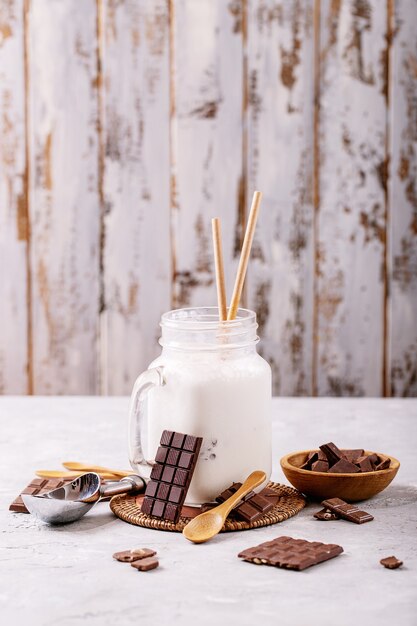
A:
{"x":349,"y":487}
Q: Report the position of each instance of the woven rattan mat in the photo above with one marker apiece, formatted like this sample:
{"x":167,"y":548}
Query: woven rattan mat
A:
{"x":128,"y":509}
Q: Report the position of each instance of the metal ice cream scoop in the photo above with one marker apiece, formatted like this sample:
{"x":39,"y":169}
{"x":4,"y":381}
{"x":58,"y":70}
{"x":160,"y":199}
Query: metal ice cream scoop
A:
{"x":73,"y":500}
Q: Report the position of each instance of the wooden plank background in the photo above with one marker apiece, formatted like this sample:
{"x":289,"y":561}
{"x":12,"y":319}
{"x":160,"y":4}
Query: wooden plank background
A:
{"x":125,"y":125}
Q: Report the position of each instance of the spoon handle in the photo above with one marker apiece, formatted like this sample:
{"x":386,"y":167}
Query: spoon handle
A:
{"x":252,"y":481}
{"x":84,"y":467}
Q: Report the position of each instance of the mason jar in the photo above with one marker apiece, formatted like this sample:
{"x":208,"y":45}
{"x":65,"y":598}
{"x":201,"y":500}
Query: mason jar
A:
{"x":210,"y":382}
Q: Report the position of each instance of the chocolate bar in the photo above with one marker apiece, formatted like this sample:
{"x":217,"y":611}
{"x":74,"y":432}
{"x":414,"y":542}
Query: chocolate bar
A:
{"x":37,"y":487}
{"x":252,"y":507}
{"x":347,"y":511}
{"x":129,"y":556}
{"x":289,"y":553}
{"x":171,"y":475}
{"x":144,"y":565}
{"x":391,"y":562}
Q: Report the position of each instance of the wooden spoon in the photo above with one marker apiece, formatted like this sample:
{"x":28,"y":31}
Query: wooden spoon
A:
{"x":208,"y":524}
{"x":84,"y":467}
{"x":64,"y":474}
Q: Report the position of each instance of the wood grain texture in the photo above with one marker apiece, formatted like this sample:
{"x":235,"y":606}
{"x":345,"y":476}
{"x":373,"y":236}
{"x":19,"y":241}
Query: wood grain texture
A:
{"x":136,"y":280}
{"x":280,"y":164}
{"x":64,"y":200}
{"x":352,"y":186}
{"x":207,"y":107}
{"x":13,"y":203}
{"x":403,"y":201}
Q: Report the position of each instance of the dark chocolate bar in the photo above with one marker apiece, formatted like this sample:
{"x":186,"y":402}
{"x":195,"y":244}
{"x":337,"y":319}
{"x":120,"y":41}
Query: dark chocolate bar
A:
{"x":171,"y":475}
{"x":347,"y":511}
{"x":290,"y":553}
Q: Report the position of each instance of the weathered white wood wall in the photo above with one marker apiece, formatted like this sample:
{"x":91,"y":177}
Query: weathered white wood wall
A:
{"x":126,"y":125}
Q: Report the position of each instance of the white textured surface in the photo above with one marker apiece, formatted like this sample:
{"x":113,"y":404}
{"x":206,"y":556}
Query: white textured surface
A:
{"x":67,"y":576}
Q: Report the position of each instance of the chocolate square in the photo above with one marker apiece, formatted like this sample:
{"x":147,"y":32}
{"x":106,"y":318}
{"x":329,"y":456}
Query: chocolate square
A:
{"x":185,"y":460}
{"x":173,"y":456}
{"x":166,"y":438}
{"x":161,"y":455}
{"x":168,"y":474}
{"x":177,"y":440}
{"x":180,"y":477}
{"x":151,"y":489}
{"x":156,"y":472}
{"x":163,"y":491}
{"x":176,"y":494}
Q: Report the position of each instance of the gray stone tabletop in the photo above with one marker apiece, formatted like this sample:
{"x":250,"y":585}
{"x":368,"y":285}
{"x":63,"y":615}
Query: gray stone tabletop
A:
{"x":66,"y":575}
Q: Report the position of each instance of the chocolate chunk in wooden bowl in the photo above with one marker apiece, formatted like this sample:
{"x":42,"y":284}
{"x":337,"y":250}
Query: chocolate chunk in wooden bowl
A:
{"x":289,"y":553}
{"x":344,"y":467}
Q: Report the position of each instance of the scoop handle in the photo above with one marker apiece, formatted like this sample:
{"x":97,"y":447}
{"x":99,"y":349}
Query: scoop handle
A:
{"x":130,"y":484}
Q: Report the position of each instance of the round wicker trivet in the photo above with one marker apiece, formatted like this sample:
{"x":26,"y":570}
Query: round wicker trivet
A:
{"x":128,"y":509}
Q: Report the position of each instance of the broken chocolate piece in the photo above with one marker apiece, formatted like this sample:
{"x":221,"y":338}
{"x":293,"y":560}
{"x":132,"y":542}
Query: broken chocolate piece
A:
{"x":311,"y":458}
{"x":343,"y":467}
{"x":289,"y":553}
{"x":384,"y":464}
{"x":353,"y":455}
{"x":144,"y":565}
{"x":391,"y":562}
{"x":365,"y":464}
{"x":253,"y":505}
{"x":129,"y":556}
{"x":332,"y":452}
{"x":320,"y":466}
{"x":171,"y":475}
{"x":347,"y":511}
{"x":325,"y":515}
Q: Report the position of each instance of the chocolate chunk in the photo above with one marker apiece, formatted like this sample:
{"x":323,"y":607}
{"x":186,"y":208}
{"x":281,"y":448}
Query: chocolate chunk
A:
{"x":311,"y":458}
{"x":320,"y":466}
{"x":353,"y":455}
{"x":325,"y":515}
{"x":384,"y":464}
{"x":171,"y":475}
{"x":391,"y":562}
{"x":322,"y":456}
{"x":129,"y":556}
{"x":347,"y":511}
{"x":289,"y":553}
{"x":344,"y":467}
{"x":144,"y":565}
{"x":332,"y":453}
{"x":253,"y":505}
{"x":364,"y":463}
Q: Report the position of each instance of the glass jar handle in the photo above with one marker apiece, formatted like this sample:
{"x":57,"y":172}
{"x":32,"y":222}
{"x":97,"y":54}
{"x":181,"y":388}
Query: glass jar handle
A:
{"x":146,"y":381}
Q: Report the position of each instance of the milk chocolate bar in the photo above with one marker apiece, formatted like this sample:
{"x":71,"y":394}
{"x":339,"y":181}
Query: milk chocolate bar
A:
{"x":36,"y":487}
{"x":347,"y":511}
{"x":171,"y":475}
{"x":289,"y":553}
